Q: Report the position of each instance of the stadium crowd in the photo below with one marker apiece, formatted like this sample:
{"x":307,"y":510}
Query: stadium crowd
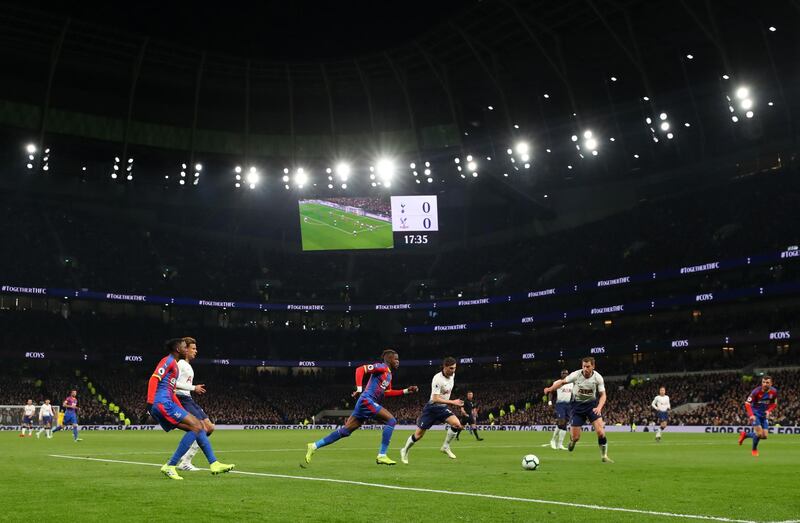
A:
{"x":711,"y":398}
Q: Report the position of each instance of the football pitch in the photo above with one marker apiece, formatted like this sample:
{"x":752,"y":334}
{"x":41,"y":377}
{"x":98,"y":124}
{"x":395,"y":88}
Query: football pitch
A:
{"x":115,"y":475}
{"x":324,"y":228}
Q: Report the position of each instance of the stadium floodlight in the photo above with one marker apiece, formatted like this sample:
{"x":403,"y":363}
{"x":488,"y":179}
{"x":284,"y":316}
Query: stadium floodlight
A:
{"x":772,"y":29}
{"x":690,"y":56}
{"x":590,"y":143}
{"x":116,"y":160}
{"x":734,"y":118}
{"x":330,"y":186}
{"x":670,"y":136}
{"x":252,"y":178}
{"x":725,"y":77}
{"x":183,"y":165}
{"x":182,"y":182}
{"x":747,"y":104}
{"x":114,"y":176}
{"x":412,"y":165}
{"x":130,"y":160}
{"x":522,"y":148}
{"x":300,"y":177}
{"x":29,"y":166}
{"x":665,"y":126}
{"x":197,"y":167}
{"x":129,"y":177}
{"x":285,"y":170}
{"x":525,"y":158}
{"x":587,"y":134}
{"x":427,"y":172}
{"x":31,"y":148}
{"x":491,"y":108}
{"x":385,"y":168}
{"x":546,"y":96}
{"x":742,"y":93}
{"x":574,"y":138}
{"x":45,"y":168}
{"x":472,"y":166}
{"x":430,"y":180}
{"x":343,"y":171}
{"x":344,"y":186}
{"x":285,"y":178}
{"x":662,"y":116}
{"x":469,"y":157}
{"x":457,"y":160}
{"x":613,"y":78}
{"x":749,"y":114}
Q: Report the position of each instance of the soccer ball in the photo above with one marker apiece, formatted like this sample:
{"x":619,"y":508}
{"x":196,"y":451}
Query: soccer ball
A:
{"x":530,"y":462}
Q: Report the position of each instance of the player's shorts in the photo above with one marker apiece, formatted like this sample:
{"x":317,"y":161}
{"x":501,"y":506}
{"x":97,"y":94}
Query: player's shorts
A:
{"x":27,"y":420}
{"x":582,"y":412}
{"x":469,"y":419}
{"x":761,"y":421}
{"x":662,"y":415}
{"x":47,"y":420}
{"x":193,"y":408}
{"x":563,"y":409}
{"x":70,"y":418}
{"x":168,"y":414}
{"x":366,"y":408}
{"x":433,"y":414}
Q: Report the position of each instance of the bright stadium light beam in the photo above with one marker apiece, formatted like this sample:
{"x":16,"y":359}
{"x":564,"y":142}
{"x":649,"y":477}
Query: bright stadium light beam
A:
{"x":742,"y":92}
{"x":300,"y":177}
{"x":385,"y":169}
{"x":31,"y":148}
{"x":522,"y":148}
{"x":343,"y":171}
{"x":253,"y":177}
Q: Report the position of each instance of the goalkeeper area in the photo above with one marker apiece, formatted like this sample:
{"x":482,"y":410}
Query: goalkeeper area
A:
{"x":328,"y":225}
{"x":115,"y":475}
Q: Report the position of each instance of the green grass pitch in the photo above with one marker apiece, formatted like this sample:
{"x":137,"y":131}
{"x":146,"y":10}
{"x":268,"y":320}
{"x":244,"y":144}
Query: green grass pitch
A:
{"x":324,"y":228}
{"x":684,"y":475}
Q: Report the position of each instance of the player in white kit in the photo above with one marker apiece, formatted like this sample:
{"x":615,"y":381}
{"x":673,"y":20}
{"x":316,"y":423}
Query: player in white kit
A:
{"x":588,"y":400}
{"x":28,"y":412}
{"x":662,"y":407}
{"x":183,"y":389}
{"x":45,"y":420}
{"x":436,"y":411}
{"x":563,"y":401}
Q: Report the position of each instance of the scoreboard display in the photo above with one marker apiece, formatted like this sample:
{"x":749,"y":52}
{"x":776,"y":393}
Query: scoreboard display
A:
{"x":415,"y":220}
{"x":368,"y":223}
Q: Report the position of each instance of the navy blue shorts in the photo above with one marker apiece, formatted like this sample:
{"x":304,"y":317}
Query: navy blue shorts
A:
{"x":192,"y":408}
{"x":47,"y":420}
{"x":582,"y":412}
{"x":433,"y":414}
{"x":563,"y":410}
{"x":663,"y":416}
{"x":27,"y":420}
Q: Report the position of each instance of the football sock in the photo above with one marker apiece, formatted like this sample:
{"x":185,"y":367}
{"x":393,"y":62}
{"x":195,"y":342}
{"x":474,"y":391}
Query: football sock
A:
{"x":410,"y":442}
{"x":561,"y":438}
{"x":756,"y":439}
{"x":75,"y":431}
{"x":386,"y":437}
{"x":186,"y":442}
{"x":475,"y":432}
{"x":205,"y":445}
{"x":449,"y":435}
{"x":189,"y":456}
{"x":333,"y":437}
{"x":603,"y":442}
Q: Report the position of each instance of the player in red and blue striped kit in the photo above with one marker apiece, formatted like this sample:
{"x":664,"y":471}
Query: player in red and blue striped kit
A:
{"x":369,"y":405}
{"x":164,"y":406}
{"x":759,"y":404}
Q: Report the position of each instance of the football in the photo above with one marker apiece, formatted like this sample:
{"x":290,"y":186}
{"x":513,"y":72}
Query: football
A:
{"x":530,"y":462}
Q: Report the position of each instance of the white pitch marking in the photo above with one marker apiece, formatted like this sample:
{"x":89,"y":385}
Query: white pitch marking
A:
{"x":448,"y":492}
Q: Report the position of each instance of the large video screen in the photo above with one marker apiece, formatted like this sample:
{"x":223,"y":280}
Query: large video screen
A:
{"x":377,"y":222}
